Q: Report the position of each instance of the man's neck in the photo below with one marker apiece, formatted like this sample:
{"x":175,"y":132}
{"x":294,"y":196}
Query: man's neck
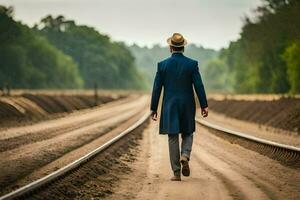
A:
{"x":177,"y":52}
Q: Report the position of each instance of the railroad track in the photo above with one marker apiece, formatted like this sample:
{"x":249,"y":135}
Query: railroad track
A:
{"x":44,"y":181}
{"x":285,"y":154}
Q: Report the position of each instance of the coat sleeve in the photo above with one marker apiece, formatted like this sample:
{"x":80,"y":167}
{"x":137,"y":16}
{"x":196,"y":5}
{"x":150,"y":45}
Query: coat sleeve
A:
{"x":199,"y":87}
{"x":157,"y":86}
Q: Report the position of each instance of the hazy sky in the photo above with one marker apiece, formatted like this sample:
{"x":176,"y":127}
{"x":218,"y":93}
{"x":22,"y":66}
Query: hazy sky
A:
{"x":211,"y":23}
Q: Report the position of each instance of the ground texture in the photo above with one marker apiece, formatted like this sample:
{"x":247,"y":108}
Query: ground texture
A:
{"x":219,"y":170}
{"x":283,"y":113}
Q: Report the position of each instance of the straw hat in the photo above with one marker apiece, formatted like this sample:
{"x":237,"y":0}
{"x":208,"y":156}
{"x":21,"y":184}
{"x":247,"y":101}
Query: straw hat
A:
{"x":177,"y":40}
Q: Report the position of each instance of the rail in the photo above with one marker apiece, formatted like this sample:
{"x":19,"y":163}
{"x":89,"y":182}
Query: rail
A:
{"x":33,"y":186}
{"x":285,"y":154}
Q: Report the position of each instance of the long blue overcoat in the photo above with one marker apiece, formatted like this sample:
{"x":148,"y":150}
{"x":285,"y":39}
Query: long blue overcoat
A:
{"x":177,"y":75}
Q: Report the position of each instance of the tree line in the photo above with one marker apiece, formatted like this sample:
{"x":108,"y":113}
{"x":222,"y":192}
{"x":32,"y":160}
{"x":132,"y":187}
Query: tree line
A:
{"x":148,"y":57}
{"x":265,"y":59}
{"x":58,"y":53}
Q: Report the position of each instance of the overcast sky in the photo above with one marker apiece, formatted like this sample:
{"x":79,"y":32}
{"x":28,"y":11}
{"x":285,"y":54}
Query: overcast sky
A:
{"x":211,"y":23}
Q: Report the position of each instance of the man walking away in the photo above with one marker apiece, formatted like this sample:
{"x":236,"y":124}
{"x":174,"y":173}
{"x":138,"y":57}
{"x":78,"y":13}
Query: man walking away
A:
{"x":177,"y":75}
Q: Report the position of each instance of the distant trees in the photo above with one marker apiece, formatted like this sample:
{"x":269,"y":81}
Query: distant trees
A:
{"x":28,"y":60}
{"x":216,"y":74}
{"x":57,"y":53}
{"x":264,"y":59}
{"x":101,"y":61}
{"x":291,"y":57}
{"x":147,"y":58}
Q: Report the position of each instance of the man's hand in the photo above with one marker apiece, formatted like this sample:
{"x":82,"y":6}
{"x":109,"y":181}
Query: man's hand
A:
{"x":204,"y":112}
{"x":154,"y":115}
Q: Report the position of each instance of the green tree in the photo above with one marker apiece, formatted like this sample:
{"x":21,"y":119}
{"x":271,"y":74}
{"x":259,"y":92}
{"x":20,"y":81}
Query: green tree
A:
{"x":292,"y":59}
{"x":109,"y":64}
{"x":28,"y":60}
{"x":255,"y":60}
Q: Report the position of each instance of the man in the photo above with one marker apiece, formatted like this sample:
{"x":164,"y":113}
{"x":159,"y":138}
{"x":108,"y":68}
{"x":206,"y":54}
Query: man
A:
{"x":177,"y":75}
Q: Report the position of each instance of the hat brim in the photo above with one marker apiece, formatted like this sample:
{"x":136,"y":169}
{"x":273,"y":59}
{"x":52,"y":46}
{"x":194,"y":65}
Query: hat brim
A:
{"x":173,"y":45}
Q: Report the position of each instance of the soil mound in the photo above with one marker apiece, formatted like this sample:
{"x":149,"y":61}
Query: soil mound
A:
{"x":38,"y":106}
{"x":283,"y":113}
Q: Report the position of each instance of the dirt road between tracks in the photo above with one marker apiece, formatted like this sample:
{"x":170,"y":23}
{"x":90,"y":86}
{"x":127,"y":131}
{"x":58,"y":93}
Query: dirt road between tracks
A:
{"x":219,"y":170}
{"x":26,"y":149}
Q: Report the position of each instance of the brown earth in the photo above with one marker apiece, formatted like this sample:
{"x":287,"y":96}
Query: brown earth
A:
{"x":97,"y":178}
{"x":26,"y":107}
{"x":219,"y":170}
{"x":282,"y":113}
{"x":140,"y":169}
{"x":26,"y":149}
{"x":254,"y":129}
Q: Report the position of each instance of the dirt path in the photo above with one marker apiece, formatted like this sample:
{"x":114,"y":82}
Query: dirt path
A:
{"x":219,"y":170}
{"x":19,"y":162}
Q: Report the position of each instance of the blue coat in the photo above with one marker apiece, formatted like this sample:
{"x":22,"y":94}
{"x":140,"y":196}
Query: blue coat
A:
{"x":177,"y":75}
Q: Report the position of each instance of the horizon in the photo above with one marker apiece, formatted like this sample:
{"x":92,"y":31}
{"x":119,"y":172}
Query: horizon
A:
{"x":210,"y":24}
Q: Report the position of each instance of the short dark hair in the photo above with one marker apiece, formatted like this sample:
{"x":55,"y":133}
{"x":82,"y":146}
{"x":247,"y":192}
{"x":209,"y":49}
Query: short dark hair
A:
{"x":177,"y":48}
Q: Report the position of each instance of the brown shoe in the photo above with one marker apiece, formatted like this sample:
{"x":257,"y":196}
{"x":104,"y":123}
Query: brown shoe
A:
{"x":185,"y":166}
{"x":176,"y":178}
